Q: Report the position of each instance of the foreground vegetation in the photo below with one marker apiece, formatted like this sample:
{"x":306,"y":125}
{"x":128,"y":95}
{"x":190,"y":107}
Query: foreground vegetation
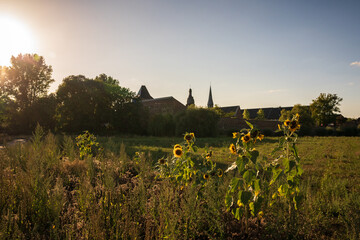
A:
{"x":50,"y":190}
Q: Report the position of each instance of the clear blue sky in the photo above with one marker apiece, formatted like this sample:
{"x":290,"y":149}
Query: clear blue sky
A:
{"x":254,"y":53}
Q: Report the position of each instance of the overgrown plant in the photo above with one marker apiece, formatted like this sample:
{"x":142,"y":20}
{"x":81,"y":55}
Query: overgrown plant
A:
{"x":87,"y":144}
{"x":185,"y":167}
{"x":290,"y":172}
{"x":246,"y":191}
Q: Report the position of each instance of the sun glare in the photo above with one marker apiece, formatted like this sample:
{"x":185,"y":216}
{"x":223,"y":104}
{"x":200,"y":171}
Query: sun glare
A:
{"x":15,"y":38}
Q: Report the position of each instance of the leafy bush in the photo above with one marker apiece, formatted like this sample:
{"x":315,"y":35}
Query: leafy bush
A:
{"x":201,"y":121}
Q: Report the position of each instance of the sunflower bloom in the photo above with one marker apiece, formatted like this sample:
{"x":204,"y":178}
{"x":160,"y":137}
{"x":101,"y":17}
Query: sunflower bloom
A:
{"x":246,"y":138}
{"x":239,"y":203}
{"x":209,"y":155}
{"x":260,"y":137}
{"x":162,"y":161}
{"x":177,"y":146}
{"x":206,"y":176}
{"x":294,"y":125}
{"x":236,"y":134}
{"x":232,"y":148}
{"x":178,"y":152}
{"x":220,"y":172}
{"x":287,"y":122}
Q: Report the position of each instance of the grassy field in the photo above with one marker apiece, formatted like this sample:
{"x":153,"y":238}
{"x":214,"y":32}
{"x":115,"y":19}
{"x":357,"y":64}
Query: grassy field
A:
{"x":49,"y":193}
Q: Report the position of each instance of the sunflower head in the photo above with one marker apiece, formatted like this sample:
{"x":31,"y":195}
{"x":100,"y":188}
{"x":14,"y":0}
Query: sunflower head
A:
{"x":254,"y":133}
{"x":206,"y":176}
{"x":294,"y":125}
{"x":287,"y":122}
{"x":260,"y":137}
{"x":220,"y":172}
{"x":209,"y":155}
{"x":246,"y":138}
{"x":178,"y":152}
{"x":189,"y":136}
{"x":236,"y":134}
{"x":178,"y":146}
{"x":162,"y":161}
{"x":232,"y":148}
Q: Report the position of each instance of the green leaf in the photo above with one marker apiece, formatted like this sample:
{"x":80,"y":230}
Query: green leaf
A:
{"x":276,"y":173}
{"x":254,"y":156}
{"x":241,"y":162}
{"x":248,"y":175}
{"x":249,"y":124}
{"x":257,"y":185}
{"x":234,"y":184}
{"x":244,"y":196}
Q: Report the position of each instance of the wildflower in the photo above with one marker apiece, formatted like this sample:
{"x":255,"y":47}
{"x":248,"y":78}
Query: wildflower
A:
{"x":236,"y":134}
{"x":209,"y":155}
{"x":178,"y":151}
{"x":254,"y":133}
{"x":260,"y":137}
{"x":189,"y":136}
{"x":294,"y":125}
{"x":177,"y":146}
{"x":206,"y":176}
{"x":220,"y":172}
{"x":287,"y":122}
{"x":162,"y":161}
{"x":232,"y":148}
{"x":246,"y":138}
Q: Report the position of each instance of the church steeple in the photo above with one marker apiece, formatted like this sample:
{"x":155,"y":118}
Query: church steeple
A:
{"x":210,"y":103}
{"x":190,"y":99}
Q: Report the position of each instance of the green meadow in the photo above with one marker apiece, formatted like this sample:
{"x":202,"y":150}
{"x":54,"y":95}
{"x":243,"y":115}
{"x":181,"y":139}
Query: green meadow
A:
{"x":48,"y":192}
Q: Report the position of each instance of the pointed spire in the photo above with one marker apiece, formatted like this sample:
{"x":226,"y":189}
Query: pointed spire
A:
{"x":210,"y":103}
{"x":190,"y":99}
{"x":144,"y":94}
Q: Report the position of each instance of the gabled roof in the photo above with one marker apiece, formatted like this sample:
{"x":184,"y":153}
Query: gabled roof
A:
{"x":230,"y":109}
{"x":144,"y":93}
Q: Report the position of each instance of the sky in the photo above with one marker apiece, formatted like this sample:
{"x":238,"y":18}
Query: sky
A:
{"x":253,"y":53}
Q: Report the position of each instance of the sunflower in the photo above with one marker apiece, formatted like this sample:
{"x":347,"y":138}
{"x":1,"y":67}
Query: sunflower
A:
{"x":287,"y":122}
{"x":236,"y":134}
{"x":254,"y":133}
{"x":294,"y":125}
{"x":177,"y":152}
{"x":260,"y":137}
{"x":177,"y":146}
{"x":188,"y":137}
{"x":192,"y":135}
{"x":220,"y":172}
{"x":206,"y":176}
{"x":279,"y":127}
{"x":246,"y":138}
{"x":162,"y":161}
{"x":209,"y":155}
{"x":232,"y":148}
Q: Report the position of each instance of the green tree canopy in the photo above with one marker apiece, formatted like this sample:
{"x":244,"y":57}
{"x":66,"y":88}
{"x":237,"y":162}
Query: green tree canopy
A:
{"x":324,"y":108}
{"x":27,"y":79}
{"x":86,"y":104}
{"x":246,"y":114}
{"x":260,"y":114}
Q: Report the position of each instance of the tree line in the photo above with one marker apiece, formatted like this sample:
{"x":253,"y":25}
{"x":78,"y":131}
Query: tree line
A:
{"x":99,"y":105}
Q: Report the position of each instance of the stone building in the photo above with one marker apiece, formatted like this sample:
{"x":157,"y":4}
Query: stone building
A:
{"x":162,"y":105}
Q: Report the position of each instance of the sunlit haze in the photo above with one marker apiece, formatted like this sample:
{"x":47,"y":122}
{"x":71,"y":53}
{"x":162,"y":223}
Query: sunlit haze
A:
{"x":15,"y":38}
{"x":255,"y":54}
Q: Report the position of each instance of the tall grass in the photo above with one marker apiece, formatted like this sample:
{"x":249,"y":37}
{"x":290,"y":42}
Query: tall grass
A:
{"x":47,"y":192}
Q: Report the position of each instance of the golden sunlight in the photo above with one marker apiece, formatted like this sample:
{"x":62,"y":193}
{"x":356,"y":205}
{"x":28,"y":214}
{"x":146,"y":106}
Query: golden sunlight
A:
{"x":15,"y":39}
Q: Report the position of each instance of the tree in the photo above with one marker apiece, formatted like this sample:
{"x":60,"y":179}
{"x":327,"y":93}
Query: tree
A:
{"x":246,"y":114}
{"x":260,"y":114}
{"x":305,"y":119}
{"x":28,"y":79}
{"x":325,"y":108}
{"x":86,"y":104}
